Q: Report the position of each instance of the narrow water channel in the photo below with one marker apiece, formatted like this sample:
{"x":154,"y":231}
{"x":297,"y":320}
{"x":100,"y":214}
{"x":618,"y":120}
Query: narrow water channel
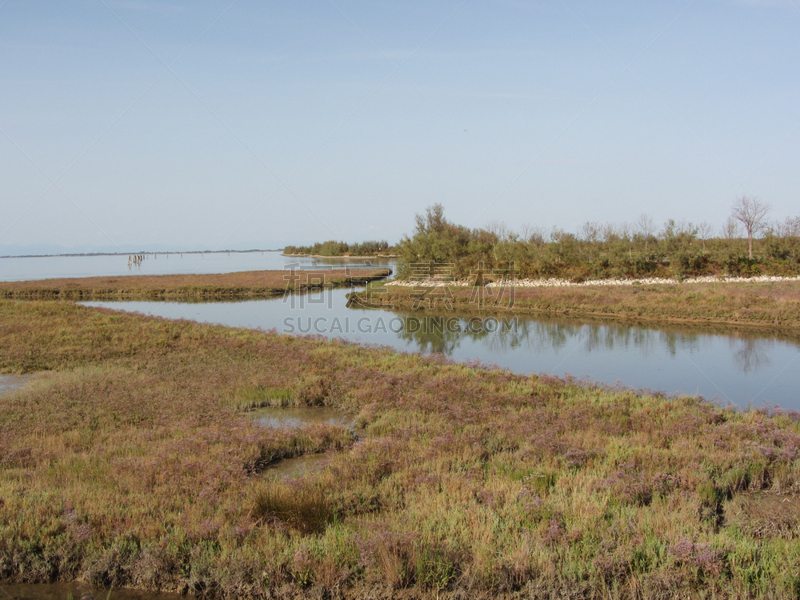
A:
{"x":738,"y":367}
{"x":75,"y":591}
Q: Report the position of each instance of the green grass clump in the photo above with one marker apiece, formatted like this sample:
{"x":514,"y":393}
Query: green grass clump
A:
{"x":259,"y":396}
{"x":305,"y":509}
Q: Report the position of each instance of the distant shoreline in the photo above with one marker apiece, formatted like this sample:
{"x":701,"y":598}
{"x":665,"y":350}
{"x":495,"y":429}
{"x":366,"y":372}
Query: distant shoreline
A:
{"x":173,"y":252}
{"x":340,"y":256}
{"x":137,"y":253}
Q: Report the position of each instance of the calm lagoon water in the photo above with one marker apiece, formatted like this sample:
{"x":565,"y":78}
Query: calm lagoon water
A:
{"x":49,"y":267}
{"x":739,"y":368}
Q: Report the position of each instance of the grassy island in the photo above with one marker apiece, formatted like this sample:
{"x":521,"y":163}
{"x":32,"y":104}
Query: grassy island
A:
{"x":131,"y":460}
{"x":197,"y":287}
{"x":765,"y":305}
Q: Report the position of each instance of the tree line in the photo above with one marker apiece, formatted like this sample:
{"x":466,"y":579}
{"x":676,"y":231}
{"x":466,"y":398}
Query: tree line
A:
{"x":747,"y":244}
{"x":334,"y":248}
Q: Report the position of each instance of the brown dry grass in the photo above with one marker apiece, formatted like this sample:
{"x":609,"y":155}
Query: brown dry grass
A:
{"x":775,"y":305}
{"x":247,"y":284}
{"x":765,"y":515}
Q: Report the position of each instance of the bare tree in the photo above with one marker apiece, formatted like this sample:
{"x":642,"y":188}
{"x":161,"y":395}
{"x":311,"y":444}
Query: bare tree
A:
{"x":645,"y":228}
{"x":789,"y":228}
{"x":704,"y":231}
{"x":751,"y":212}
{"x":645,"y":225}
{"x":590,"y":231}
{"x":533,"y":234}
{"x":499,"y":229}
{"x":730,"y":231}
{"x":609,"y":232}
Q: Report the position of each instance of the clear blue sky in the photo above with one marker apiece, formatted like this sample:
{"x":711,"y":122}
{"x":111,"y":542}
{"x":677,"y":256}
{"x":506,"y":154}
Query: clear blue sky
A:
{"x":251,"y":124}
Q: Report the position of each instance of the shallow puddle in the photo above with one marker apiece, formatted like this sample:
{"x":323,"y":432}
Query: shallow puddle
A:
{"x":12,"y":382}
{"x":298,"y":467}
{"x":75,"y":591}
{"x":297,"y":417}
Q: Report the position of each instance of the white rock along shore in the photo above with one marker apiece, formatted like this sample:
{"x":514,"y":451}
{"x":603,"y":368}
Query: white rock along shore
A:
{"x":606,"y":282}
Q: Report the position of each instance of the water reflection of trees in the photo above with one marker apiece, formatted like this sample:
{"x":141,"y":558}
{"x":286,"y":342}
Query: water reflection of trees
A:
{"x":750,"y":355}
{"x":429,"y":335}
{"x":436,"y":333}
{"x":351,"y":262}
{"x":444,"y":333}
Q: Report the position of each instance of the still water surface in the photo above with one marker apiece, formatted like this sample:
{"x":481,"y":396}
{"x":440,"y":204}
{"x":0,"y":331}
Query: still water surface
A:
{"x":12,"y":382}
{"x":78,"y":591}
{"x":297,"y":417}
{"x":740,"y":368}
{"x":49,"y":267}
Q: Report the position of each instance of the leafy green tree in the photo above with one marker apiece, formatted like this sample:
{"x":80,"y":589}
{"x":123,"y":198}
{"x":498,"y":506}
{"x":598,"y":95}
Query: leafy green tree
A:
{"x":435,"y":240}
